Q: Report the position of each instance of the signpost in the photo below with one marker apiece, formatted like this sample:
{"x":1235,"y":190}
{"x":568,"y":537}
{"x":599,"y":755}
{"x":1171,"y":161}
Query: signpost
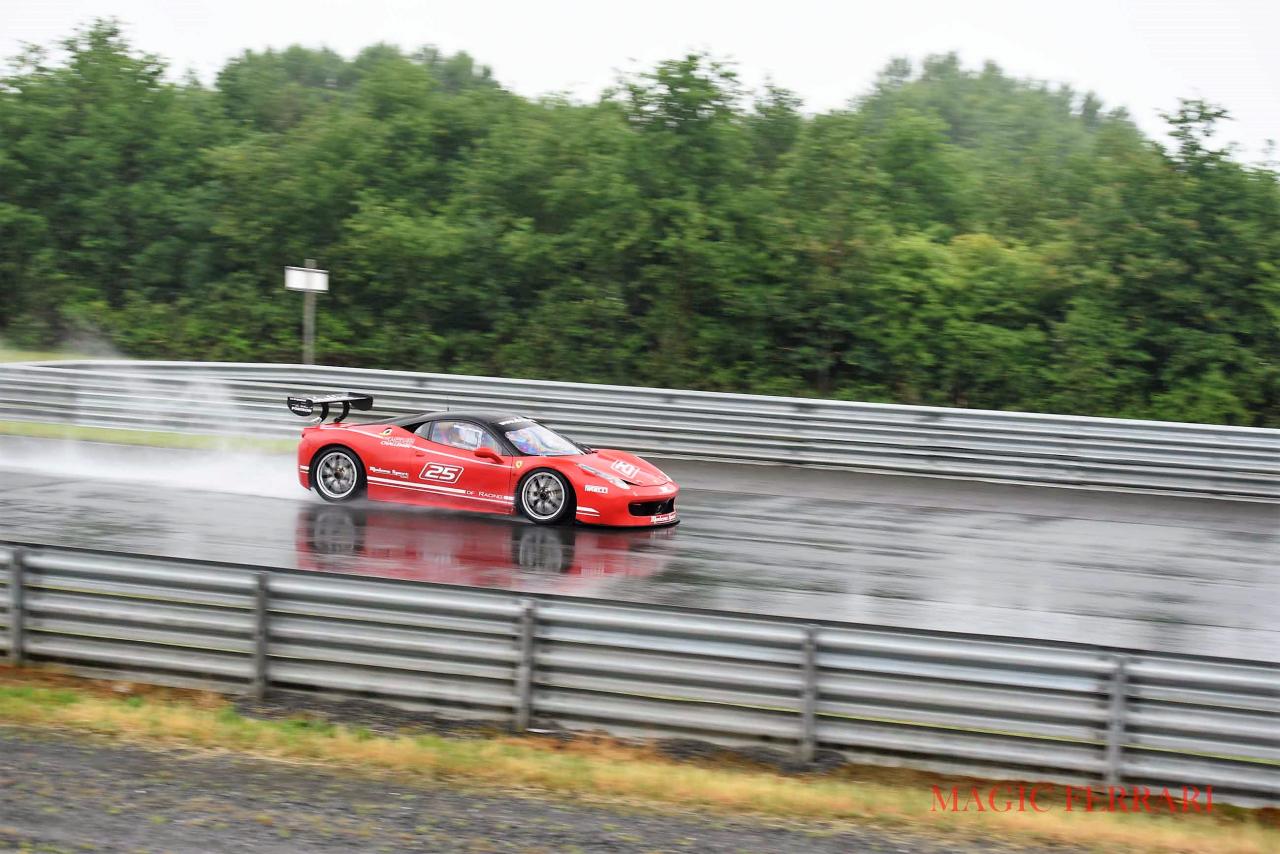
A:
{"x":310,"y":281}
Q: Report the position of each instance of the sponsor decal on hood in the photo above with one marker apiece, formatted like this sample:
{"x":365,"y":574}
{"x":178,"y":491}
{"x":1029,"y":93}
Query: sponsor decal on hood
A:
{"x":628,"y":467}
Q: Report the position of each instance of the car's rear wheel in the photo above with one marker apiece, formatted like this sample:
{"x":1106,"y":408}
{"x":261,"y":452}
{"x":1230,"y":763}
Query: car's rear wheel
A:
{"x":338,"y":474}
{"x":546,"y":498}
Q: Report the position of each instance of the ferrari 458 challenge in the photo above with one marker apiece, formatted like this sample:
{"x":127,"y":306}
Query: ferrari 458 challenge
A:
{"x":494,"y":462}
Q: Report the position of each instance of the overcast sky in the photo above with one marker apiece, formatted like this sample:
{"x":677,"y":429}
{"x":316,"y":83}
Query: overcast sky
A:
{"x":1142,"y":54}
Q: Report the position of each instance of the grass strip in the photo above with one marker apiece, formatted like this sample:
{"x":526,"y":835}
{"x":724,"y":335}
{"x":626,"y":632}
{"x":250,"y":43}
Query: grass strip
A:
{"x":151,"y":438}
{"x":601,"y":769}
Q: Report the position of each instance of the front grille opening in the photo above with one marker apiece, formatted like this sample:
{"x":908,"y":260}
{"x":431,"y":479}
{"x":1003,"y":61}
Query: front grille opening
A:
{"x":653,"y":508}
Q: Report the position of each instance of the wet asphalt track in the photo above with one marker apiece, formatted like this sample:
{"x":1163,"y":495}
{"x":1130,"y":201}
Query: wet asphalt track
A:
{"x":1179,"y":574}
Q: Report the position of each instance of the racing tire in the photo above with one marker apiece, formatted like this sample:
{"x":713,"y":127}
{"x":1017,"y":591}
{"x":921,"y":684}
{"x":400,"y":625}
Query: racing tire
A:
{"x":337,"y":474}
{"x":546,"y":498}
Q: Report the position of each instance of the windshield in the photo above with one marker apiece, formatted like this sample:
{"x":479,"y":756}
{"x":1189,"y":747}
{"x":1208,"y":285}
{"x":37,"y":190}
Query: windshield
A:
{"x":534,"y":440}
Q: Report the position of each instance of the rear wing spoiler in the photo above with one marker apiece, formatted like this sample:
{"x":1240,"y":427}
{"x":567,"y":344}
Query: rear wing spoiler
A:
{"x":305,"y":405}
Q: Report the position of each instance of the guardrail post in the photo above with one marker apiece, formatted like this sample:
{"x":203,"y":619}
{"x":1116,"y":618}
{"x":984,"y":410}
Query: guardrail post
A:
{"x":261,"y":635}
{"x":17,"y":607}
{"x":809,"y":694}
{"x":1116,"y":719}
{"x":525,"y":664}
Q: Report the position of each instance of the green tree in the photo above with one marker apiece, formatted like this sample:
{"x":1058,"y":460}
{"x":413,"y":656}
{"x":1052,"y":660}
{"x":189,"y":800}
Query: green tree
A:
{"x":953,"y":236}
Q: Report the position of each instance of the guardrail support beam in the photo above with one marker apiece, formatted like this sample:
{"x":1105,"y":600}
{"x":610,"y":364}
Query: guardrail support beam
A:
{"x":1116,"y":720}
{"x":524,"y":668}
{"x":261,"y":635}
{"x":809,"y":695}
{"x":17,"y":607}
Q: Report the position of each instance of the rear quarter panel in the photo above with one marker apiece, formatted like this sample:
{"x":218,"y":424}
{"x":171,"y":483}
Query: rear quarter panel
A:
{"x":362,"y":442}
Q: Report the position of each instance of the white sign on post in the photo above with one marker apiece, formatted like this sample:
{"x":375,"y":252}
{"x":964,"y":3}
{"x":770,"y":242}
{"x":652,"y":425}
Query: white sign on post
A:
{"x":306,"y":279}
{"x":310,"y":281}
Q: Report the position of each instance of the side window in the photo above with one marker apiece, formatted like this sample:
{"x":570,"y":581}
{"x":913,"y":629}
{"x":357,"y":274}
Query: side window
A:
{"x":462,"y":434}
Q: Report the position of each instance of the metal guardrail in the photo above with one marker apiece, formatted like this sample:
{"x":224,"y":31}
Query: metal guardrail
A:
{"x":1010,"y":709}
{"x":247,"y":398}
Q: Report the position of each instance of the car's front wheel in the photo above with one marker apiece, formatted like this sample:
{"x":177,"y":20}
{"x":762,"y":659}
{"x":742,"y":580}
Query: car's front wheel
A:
{"x":338,"y":474}
{"x":546,"y":498}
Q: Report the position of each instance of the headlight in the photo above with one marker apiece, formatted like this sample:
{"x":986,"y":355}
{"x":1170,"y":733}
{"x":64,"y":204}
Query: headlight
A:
{"x":616,"y":481}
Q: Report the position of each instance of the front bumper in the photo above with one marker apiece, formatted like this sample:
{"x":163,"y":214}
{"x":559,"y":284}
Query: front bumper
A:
{"x":614,"y":507}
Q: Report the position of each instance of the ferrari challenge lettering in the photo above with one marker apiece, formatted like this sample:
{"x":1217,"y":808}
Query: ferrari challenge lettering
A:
{"x":625,"y":469}
{"x":398,"y":442}
{"x":591,"y":487}
{"x":441,"y":472}
{"x":377,"y":470}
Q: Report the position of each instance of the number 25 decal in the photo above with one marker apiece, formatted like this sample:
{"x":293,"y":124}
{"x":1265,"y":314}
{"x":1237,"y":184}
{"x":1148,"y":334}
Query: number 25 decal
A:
{"x":441,"y":472}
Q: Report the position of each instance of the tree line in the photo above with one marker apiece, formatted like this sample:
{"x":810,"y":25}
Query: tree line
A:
{"x":951,"y":237}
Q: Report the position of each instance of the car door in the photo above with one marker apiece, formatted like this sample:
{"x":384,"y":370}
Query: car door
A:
{"x":446,"y":468}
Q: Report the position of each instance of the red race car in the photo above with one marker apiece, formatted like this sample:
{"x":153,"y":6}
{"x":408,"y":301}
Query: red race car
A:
{"x":495,"y":462}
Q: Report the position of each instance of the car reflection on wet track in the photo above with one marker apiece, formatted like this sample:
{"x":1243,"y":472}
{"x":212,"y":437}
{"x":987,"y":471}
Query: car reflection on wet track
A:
{"x":446,"y":548}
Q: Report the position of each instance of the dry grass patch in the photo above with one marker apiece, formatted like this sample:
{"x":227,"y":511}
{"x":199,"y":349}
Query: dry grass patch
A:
{"x":592,"y":769}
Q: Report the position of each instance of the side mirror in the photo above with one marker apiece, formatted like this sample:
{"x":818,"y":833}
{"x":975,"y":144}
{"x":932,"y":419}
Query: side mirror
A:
{"x":487,"y":454}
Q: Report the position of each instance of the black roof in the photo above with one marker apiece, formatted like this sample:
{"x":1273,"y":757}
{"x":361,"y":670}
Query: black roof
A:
{"x":495,"y":421}
{"x":487,"y":417}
